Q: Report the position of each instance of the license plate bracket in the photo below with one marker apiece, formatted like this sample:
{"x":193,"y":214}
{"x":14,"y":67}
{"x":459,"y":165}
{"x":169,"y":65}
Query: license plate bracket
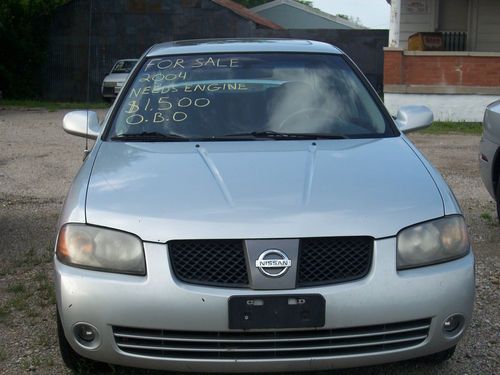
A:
{"x":276,"y":311}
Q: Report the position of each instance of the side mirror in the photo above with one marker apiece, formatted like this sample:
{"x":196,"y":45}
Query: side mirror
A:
{"x":413,"y":117}
{"x":75,"y":123}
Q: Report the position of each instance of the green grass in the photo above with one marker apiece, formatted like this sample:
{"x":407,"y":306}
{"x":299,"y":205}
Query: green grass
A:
{"x":45,"y":288}
{"x":33,"y":258}
{"x":488,"y":218}
{"x":18,"y":296}
{"x":19,"y":302}
{"x":32,"y":313}
{"x":51,"y":106}
{"x":448,"y":127}
{"x":41,"y":360}
{"x":4,"y":313}
{"x":43,"y":340}
{"x":16,"y":288}
{"x":3,"y":355}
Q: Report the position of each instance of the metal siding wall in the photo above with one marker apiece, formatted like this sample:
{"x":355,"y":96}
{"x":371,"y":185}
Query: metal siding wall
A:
{"x":65,"y":69}
{"x":126,"y":28}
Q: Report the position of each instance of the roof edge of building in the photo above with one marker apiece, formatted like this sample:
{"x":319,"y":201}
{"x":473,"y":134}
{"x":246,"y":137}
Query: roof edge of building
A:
{"x":311,"y":10}
{"x":241,"y":11}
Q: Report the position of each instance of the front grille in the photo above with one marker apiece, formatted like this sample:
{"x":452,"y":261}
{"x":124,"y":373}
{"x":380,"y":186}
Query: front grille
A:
{"x":108,"y":90}
{"x":330,"y":260}
{"x":271,"y":344}
{"x":322,"y":261}
{"x":209,"y":262}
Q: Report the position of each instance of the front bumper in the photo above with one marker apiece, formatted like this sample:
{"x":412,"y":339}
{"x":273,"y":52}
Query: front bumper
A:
{"x":111,"y":90}
{"x":159,"y":302}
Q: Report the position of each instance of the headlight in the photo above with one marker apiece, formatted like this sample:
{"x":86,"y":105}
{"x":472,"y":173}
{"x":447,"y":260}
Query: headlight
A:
{"x":100,"y":249}
{"x":432,"y":242}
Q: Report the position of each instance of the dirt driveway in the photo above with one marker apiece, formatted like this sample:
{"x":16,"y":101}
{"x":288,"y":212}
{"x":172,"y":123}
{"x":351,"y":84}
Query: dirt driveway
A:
{"x":37,"y":163}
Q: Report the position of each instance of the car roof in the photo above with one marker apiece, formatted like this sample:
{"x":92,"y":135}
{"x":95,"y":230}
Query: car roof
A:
{"x":241,"y":45}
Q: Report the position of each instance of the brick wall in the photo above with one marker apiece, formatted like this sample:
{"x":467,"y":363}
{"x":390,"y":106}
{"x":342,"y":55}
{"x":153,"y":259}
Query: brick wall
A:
{"x":393,"y":66}
{"x":466,"y":69}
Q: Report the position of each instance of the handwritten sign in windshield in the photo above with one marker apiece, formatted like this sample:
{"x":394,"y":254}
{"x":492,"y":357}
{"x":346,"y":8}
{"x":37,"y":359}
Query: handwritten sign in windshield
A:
{"x":159,"y":106}
{"x":203,"y":96}
{"x":168,"y":90}
{"x":200,"y":62}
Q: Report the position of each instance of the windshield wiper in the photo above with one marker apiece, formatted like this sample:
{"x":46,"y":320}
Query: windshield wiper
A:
{"x":278,"y":135}
{"x":268,"y":134}
{"x":149,"y":137}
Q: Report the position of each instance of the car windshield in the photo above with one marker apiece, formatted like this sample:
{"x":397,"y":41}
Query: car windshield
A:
{"x":268,"y":95}
{"x":124,"y":66}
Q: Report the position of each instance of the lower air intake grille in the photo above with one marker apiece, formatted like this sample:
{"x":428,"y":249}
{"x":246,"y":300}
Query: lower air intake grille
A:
{"x":271,"y":344}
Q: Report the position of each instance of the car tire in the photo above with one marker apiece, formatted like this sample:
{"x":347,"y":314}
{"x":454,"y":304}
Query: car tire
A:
{"x":440,"y":356}
{"x":72,"y":359}
{"x":497,"y":198}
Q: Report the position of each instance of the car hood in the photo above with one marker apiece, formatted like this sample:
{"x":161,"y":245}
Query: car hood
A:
{"x":261,"y":189}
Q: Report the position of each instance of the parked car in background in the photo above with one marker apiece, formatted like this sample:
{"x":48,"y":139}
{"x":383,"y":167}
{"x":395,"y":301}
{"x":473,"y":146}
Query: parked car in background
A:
{"x":113,"y":82}
{"x":489,"y":152}
{"x":251,"y":206}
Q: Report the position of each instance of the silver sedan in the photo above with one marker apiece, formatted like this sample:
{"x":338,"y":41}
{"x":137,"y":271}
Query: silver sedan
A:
{"x":489,"y":152}
{"x":113,"y":82}
{"x":251,"y":206}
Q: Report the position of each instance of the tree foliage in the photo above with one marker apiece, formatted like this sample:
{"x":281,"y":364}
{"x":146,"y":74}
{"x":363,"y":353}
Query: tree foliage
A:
{"x":23,"y":39}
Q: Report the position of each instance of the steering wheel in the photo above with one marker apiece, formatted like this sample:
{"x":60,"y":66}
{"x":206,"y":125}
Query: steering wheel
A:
{"x":298,"y":125}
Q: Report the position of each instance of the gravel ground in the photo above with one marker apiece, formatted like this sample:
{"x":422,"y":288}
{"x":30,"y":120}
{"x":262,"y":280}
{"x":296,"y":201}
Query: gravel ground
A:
{"x":37,"y":163}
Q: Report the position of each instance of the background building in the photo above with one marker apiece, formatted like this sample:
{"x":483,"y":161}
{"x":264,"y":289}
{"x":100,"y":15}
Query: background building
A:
{"x":123,"y":29}
{"x":457,"y":79}
{"x":292,"y":15}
